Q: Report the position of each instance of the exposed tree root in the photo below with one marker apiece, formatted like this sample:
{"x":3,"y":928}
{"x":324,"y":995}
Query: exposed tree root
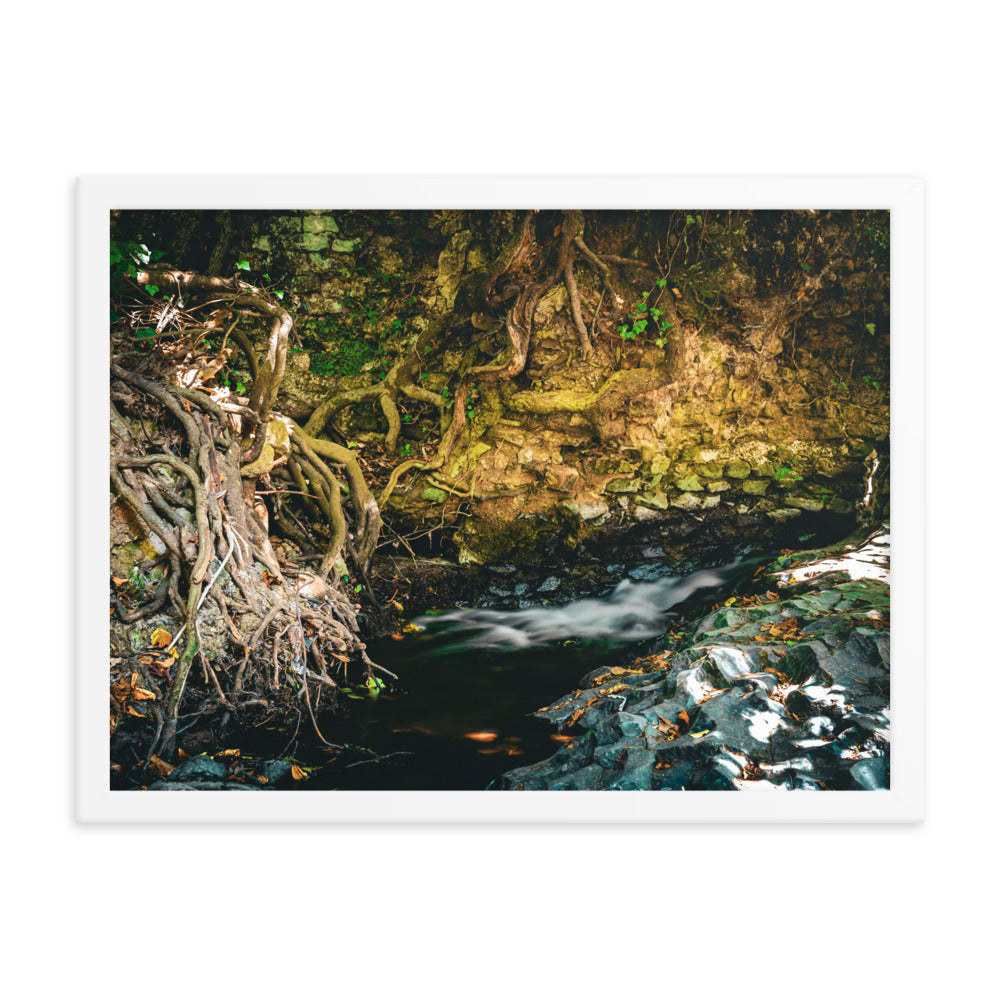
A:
{"x":197,"y":496}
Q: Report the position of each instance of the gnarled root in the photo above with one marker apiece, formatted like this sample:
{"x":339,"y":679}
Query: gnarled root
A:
{"x":188,"y":492}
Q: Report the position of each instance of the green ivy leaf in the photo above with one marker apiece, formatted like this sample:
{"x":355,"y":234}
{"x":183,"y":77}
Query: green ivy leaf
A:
{"x":152,"y":289}
{"x":243,"y":265}
{"x":145,"y":334}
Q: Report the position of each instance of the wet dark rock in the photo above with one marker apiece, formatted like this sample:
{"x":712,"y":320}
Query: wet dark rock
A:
{"x":871,"y":774}
{"x":205,"y":774}
{"x":737,"y":706}
{"x":275,"y":771}
{"x":648,"y":572}
{"x":166,"y":785}
{"x":199,"y":769}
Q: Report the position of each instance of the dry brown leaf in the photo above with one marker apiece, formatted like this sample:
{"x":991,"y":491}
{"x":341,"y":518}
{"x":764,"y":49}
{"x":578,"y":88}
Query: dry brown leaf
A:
{"x":228,"y":753}
{"x":667,"y":728}
{"x":120,"y":690}
{"x":161,"y":767}
{"x":142,"y":694}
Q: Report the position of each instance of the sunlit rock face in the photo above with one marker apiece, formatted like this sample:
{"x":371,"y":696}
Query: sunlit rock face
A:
{"x":766,"y":396}
{"x":788,"y":694}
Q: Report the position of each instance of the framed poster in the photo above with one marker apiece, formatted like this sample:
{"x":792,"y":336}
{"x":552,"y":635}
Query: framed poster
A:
{"x":500,"y":500}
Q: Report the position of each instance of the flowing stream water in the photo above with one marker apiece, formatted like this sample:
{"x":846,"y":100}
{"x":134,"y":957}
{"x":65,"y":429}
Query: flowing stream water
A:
{"x":460,"y":715}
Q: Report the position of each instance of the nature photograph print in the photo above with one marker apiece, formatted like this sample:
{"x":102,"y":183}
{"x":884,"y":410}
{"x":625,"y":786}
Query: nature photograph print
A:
{"x":502,"y":500}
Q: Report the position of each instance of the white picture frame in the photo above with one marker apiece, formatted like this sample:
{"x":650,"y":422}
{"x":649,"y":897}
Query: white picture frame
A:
{"x":902,"y":802}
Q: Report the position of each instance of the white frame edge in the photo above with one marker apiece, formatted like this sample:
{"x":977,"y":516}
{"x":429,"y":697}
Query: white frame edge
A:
{"x":903,"y":802}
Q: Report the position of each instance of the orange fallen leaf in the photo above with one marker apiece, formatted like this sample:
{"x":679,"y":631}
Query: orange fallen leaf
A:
{"x":482,"y":737}
{"x":161,"y":767}
{"x":161,"y":638}
{"x":297,"y":773}
{"x":141,"y":694}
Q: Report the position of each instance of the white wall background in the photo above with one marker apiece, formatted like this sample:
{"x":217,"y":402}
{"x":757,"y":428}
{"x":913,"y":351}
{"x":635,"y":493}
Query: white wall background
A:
{"x":729,"y":88}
